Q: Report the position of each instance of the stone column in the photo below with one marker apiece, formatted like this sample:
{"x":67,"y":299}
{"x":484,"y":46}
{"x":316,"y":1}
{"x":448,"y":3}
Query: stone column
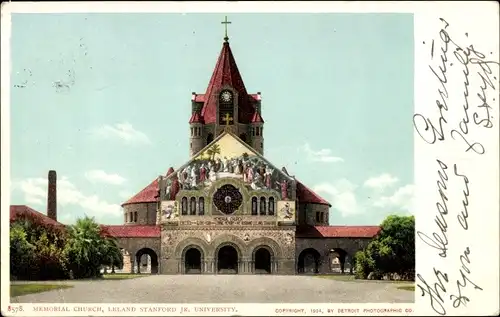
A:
{"x":246,"y":266}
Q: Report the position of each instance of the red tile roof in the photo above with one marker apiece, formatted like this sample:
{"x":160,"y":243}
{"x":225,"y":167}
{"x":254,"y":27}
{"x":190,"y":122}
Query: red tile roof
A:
{"x":17,"y":211}
{"x":337,"y":231}
{"x":196,"y":118}
{"x":226,"y":73}
{"x":132,"y":231}
{"x":306,"y":195}
{"x":147,"y":195}
{"x":257,"y":118}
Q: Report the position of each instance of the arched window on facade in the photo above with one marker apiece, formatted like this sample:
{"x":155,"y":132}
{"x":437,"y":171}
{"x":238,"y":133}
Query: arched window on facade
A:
{"x":271,"y":206}
{"x":192,"y":206}
{"x":254,"y":206}
{"x":184,"y":205}
{"x":135,"y":216}
{"x":201,"y":206}
{"x":263,"y":206}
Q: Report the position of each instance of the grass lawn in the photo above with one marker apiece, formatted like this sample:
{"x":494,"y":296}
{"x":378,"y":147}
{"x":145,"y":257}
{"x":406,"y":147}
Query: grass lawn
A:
{"x":122,"y":276}
{"x":339,"y":277}
{"x":348,"y":277}
{"x":24,"y":289}
{"x":407,"y":287}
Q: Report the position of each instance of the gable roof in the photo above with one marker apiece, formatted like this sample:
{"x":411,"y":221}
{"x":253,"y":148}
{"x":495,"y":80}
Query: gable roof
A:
{"x":17,"y":211}
{"x":226,"y":74}
{"x":337,"y":231}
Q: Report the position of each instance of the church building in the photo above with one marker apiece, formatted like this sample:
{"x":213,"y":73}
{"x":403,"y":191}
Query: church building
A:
{"x":228,"y":210}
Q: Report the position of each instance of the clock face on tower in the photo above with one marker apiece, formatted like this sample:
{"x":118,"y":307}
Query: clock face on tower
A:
{"x":226,"y":96}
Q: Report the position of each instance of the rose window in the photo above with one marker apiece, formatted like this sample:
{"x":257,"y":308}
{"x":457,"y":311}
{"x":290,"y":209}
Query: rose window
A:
{"x":228,"y":199}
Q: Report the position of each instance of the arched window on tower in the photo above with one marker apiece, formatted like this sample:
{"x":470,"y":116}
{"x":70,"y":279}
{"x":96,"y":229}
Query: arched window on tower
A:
{"x":184,"y":206}
{"x":201,"y":206}
{"x":243,"y":137}
{"x":210,"y":138}
{"x":254,"y":206}
{"x":262,"y":206}
{"x":271,"y":206}
{"x":192,"y":206}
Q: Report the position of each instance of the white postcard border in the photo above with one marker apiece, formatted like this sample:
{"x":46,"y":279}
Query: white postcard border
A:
{"x":471,"y":17}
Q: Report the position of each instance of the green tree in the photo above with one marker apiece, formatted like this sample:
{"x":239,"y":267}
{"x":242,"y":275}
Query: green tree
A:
{"x":85,"y":248}
{"x":112,"y":253}
{"x":21,"y":252}
{"x":39,"y":243}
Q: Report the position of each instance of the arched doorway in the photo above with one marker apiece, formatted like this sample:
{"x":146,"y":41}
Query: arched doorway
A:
{"x":308,"y":261}
{"x":140,"y":259}
{"x":227,"y":260}
{"x":262,"y":261}
{"x":338,"y":259}
{"x":193,"y":259}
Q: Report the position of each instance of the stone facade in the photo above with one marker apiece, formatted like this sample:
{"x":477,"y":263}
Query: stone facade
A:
{"x":279,"y":242}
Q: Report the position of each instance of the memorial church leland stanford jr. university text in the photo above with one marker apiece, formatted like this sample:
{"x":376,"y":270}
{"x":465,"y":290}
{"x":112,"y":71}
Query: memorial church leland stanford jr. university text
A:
{"x":228,"y":210}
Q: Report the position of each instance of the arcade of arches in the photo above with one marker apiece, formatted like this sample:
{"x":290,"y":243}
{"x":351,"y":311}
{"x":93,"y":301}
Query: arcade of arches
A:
{"x":228,"y":258}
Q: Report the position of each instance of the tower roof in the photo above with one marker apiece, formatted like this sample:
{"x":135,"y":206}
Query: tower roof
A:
{"x":257,"y":118}
{"x":195,"y":118}
{"x":226,"y":74}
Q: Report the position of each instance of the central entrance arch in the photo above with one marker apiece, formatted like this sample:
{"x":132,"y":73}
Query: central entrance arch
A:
{"x":193,"y":259}
{"x":262,"y":261}
{"x":227,"y":260}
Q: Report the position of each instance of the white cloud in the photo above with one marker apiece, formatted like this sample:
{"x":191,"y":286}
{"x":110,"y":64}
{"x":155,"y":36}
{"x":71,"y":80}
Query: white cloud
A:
{"x":342,"y":197}
{"x":401,"y":199}
{"x":35,"y":193}
{"x":323,"y":155}
{"x":99,"y":176}
{"x":125,"y":194}
{"x":123,"y":131}
{"x":381,"y":182}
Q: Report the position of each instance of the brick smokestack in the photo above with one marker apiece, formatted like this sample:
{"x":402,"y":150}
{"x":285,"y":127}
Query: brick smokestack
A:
{"x":52,"y":196}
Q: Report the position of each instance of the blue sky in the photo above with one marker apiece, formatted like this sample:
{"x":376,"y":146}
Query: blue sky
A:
{"x":337,"y":98}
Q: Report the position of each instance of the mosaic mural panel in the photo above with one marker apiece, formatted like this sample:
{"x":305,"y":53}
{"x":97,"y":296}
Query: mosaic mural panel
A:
{"x":229,"y":158}
{"x":169,"y":211}
{"x":286,"y":211}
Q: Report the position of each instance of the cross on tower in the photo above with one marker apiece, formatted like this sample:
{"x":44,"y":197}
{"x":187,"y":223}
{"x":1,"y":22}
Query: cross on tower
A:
{"x":227,"y":119}
{"x":225,"y":22}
